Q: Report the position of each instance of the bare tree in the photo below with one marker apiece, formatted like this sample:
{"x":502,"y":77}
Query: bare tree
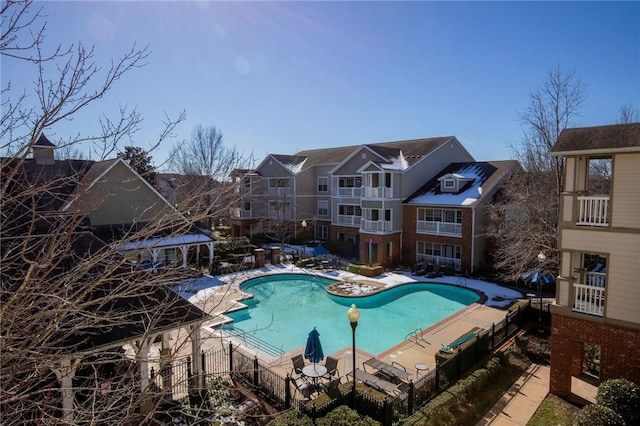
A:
{"x":68,"y":295}
{"x":204,"y":164}
{"x":628,"y":114}
{"x":528,"y":206}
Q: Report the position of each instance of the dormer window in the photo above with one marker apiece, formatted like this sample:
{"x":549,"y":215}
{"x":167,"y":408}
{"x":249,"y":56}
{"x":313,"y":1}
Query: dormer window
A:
{"x":453,"y":182}
{"x":449,"y":184}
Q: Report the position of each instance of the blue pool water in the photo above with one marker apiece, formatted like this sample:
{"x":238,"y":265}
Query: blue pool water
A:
{"x":286,"y":307}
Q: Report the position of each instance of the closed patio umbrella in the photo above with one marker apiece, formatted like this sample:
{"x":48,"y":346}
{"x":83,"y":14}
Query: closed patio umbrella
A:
{"x":313,"y":350}
{"x":320,"y":250}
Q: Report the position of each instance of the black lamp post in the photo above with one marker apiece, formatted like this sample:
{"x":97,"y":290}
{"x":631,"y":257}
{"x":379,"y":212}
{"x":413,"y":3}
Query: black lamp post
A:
{"x":541,"y":259}
{"x":354,"y":315}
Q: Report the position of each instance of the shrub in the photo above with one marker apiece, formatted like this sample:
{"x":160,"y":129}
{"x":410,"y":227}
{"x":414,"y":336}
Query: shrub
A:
{"x":345,"y":416}
{"x":622,"y":396}
{"x":598,"y":415}
{"x":291,"y":418}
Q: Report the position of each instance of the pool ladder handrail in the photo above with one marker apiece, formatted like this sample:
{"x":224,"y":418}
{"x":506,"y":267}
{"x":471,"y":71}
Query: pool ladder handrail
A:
{"x":251,"y":339}
{"x":416,"y":332}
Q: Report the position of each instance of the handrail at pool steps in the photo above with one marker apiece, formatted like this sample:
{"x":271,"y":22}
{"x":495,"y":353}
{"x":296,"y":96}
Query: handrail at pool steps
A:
{"x":252,"y":340}
{"x":448,"y":349}
{"x":416,"y":332}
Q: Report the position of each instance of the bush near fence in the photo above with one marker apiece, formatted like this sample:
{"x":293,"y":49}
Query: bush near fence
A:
{"x":280,"y":392}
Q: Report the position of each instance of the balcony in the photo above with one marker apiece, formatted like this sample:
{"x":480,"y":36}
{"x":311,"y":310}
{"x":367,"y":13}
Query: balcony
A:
{"x":351,"y":192}
{"x":279,"y":191}
{"x":589,"y":299}
{"x":375,"y":225}
{"x":439,"y":260}
{"x":439,"y":228}
{"x":237,"y":213}
{"x":593,"y":210}
{"x":377,"y":193}
{"x":348,"y":220}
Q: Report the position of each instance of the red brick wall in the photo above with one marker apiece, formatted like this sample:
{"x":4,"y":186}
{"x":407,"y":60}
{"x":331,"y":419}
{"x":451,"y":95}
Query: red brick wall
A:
{"x":410,"y":237}
{"x":382,"y":241}
{"x":619,"y":351}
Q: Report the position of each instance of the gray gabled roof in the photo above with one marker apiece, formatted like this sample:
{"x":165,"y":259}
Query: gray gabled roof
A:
{"x":412,"y":151}
{"x":598,"y":139}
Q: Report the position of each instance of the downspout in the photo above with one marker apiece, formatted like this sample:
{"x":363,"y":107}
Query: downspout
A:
{"x":473,"y":238}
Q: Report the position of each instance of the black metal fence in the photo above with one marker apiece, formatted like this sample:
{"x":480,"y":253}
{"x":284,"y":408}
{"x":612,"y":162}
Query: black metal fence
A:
{"x":280,"y":390}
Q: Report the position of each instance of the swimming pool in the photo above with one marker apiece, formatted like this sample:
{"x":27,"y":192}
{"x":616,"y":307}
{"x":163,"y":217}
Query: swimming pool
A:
{"x":286,"y":307}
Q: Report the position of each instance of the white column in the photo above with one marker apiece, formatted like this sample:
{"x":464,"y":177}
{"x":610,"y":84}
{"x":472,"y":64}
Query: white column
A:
{"x":142,"y":357}
{"x":154,"y":256}
{"x":210,"y":245}
{"x":196,"y":349}
{"x":184,"y":250}
{"x":65,"y":376}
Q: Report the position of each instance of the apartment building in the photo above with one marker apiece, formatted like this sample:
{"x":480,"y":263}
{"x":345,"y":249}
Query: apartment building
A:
{"x":351,"y":193}
{"x":598,"y":287}
{"x":444,"y":221}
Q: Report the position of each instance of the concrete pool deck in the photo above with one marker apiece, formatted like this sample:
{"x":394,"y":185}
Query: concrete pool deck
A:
{"x":225,"y":295}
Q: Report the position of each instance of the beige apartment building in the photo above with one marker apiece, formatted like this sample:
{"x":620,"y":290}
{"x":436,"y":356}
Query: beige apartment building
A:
{"x":598,"y":287}
{"x":354,"y":194}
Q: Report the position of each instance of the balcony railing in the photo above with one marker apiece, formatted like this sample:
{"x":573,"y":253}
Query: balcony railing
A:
{"x":375,"y":225}
{"x":593,"y":211}
{"x":589,"y":299}
{"x":379,"y":192}
{"x":440,"y":228}
{"x":279,"y":190}
{"x":439,"y":260}
{"x":238,"y":213}
{"x":351,"y":192}
{"x":348,"y":220}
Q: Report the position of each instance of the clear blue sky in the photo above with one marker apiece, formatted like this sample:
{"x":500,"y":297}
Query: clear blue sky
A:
{"x":279,"y":77}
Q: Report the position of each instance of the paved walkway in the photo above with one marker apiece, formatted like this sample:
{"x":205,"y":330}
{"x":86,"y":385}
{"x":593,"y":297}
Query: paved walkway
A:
{"x":520,"y":402}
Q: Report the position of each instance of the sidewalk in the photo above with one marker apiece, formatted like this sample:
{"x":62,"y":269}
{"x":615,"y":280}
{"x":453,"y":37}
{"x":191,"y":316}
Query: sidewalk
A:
{"x":520,"y":402}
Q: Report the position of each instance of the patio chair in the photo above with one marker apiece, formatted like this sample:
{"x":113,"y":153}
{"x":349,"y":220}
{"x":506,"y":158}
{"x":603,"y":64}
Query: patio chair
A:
{"x":303,"y":387}
{"x":298,"y":365}
{"x":331,"y":388}
{"x":332,"y":368}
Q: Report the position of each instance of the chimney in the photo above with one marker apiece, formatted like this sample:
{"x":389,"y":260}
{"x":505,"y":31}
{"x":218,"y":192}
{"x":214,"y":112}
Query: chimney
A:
{"x":43,"y":151}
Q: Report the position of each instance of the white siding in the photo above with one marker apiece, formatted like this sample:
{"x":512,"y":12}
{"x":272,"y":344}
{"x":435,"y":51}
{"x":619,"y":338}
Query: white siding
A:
{"x":623,"y":271}
{"x":625,"y":203}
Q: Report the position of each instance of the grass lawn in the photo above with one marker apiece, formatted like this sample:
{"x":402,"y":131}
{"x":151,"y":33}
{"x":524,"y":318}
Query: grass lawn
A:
{"x":554,"y":411}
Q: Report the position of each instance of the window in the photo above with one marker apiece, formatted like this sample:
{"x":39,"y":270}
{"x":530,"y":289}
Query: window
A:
{"x":440,"y":215}
{"x":247,"y":205}
{"x":349,"y":210}
{"x":323,"y":208}
{"x":349,"y":238}
{"x":323,"y":232}
{"x":439,"y":250}
{"x":449,"y":183}
{"x":278,"y":183}
{"x":350,"y":182}
{"x":278,"y":209}
{"x":323,"y":184}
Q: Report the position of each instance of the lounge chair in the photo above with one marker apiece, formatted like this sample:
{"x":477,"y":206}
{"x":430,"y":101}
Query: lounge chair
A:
{"x":448,"y":349}
{"x":375,"y":382}
{"x":332,"y":368}
{"x":394,"y":371}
